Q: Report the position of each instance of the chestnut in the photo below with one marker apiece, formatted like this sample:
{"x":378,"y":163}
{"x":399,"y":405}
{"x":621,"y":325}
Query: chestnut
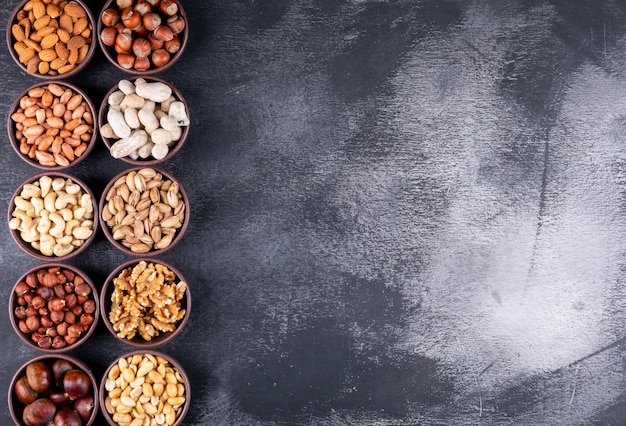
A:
{"x":59,"y":368}
{"x":76,"y":384}
{"x":39,"y":413}
{"x":24,"y":393}
{"x":67,"y":417}
{"x":84,"y":407}
{"x":39,"y":376}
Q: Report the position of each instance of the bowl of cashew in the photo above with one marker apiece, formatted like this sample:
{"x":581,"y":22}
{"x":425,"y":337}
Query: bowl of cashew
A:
{"x":53,"y":215}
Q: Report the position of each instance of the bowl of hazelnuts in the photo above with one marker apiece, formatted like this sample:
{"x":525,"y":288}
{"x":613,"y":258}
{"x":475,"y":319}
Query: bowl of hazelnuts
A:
{"x":142,"y":36}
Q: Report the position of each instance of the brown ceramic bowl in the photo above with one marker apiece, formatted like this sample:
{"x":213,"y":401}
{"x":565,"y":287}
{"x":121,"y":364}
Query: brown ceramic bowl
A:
{"x":144,"y":356}
{"x":22,"y":230}
{"x":163,"y":337}
{"x":131,"y":16}
{"x":60,"y":151}
{"x":167,"y":226}
{"x":150,"y":160}
{"x":36,"y":289}
{"x":65,"y":66}
{"x":16,"y":407}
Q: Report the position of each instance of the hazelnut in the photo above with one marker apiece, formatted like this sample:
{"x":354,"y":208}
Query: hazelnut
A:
{"x":172,"y":45}
{"x":151,"y":21}
{"x":163,"y":33}
{"x":130,"y":18}
{"x":142,"y":64}
{"x":176,"y":24}
{"x":142,"y":7}
{"x":168,"y":7}
{"x":160,"y":57}
{"x":110,"y":17}
{"x":126,"y":60}
{"x":141,"y":48}
{"x":108,"y":36}
{"x":123,"y":43}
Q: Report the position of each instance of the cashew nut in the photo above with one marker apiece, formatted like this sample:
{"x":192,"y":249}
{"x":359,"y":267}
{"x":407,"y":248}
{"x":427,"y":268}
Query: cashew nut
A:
{"x":46,"y":244}
{"x":49,"y":201}
{"x":63,"y":249}
{"x":58,"y":184}
{"x":70,"y":225}
{"x":59,"y":225}
{"x":63,"y":200}
{"x":29,"y":190}
{"x":66,"y":213}
{"x":22,"y":204}
{"x":45,"y":183}
{"x":37,"y":205}
{"x":44,"y":222}
{"x":72,"y":188}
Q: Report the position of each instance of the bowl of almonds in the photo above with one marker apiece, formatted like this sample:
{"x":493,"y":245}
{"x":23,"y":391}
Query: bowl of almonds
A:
{"x":52,"y":125}
{"x":145,"y":384}
{"x":51,"y":39}
{"x":144,"y":210}
{"x":53,"y":215}
{"x":54,"y":307}
{"x":143,"y":120}
{"x":142,"y":36}
{"x":145,"y":302}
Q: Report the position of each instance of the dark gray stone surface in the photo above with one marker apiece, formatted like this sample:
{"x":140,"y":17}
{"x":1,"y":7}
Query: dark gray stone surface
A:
{"x":403,"y":212}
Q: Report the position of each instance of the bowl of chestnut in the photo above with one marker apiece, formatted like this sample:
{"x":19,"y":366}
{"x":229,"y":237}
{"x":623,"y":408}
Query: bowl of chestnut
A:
{"x":142,"y":36}
{"x":53,"y":390}
{"x":54,"y":307}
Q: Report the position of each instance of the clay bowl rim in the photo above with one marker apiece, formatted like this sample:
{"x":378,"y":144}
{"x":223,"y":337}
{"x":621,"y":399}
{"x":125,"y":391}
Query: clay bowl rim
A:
{"x":80,"y":67}
{"x":15,"y":143}
{"x":95,"y":296}
{"x":151,"y":161}
{"x":13,"y":402}
{"x":174,"y":57}
{"x":106,"y":230}
{"x":105,"y":303}
{"x":26,"y":247}
{"x":173,"y":362}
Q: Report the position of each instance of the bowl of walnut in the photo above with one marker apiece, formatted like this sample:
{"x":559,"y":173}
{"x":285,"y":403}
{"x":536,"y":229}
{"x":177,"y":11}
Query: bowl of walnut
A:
{"x":145,"y":302}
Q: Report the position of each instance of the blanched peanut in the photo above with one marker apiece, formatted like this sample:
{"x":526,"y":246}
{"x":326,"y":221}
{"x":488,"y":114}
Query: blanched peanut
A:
{"x":144,"y":403}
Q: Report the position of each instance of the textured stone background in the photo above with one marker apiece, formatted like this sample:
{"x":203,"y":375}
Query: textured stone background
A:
{"x":403,"y":212}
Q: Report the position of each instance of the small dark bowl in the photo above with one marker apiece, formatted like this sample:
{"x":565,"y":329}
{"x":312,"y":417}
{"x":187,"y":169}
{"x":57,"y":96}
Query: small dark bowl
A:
{"x":26,"y":246}
{"x":11,"y":40}
{"x":138,"y":341}
{"x":15,"y":143}
{"x":150,"y":161}
{"x":16,"y":407}
{"x":26,"y":337}
{"x":158,"y":355}
{"x":111,"y":54}
{"x":108,"y":231}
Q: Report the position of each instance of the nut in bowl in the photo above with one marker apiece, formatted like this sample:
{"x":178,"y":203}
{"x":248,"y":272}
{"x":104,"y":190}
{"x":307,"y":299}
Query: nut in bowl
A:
{"x":53,"y":215}
{"x":54,"y":307}
{"x":144,"y":210}
{"x":53,"y":390}
{"x":142,"y":36}
{"x":52,"y":125}
{"x":144,"y":121}
{"x":51,"y":39}
{"x":158,"y":384}
{"x":145,"y":302}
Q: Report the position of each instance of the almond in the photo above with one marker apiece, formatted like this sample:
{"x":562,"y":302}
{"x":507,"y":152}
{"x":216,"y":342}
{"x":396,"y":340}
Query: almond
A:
{"x":76,"y":43}
{"x":61,"y":51}
{"x":18,"y":32}
{"x":47,"y":55}
{"x":73,"y":57}
{"x":56,"y":64}
{"x":65,"y":22}
{"x":26,"y":55}
{"x":43,"y":32}
{"x":53,"y":10}
{"x":32,"y":66}
{"x":74,"y":10}
{"x":64,"y":36}
{"x":49,"y":41}
{"x":80,"y":25}
{"x":41,"y":22}
{"x":39,"y":9}
{"x":66,"y":68}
